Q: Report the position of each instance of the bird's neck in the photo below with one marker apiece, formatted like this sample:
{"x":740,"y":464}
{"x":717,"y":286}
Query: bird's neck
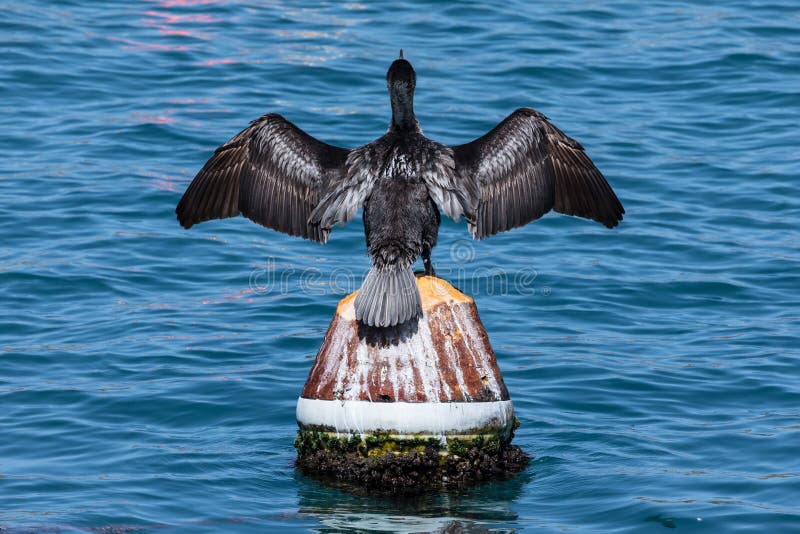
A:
{"x":402,"y":99}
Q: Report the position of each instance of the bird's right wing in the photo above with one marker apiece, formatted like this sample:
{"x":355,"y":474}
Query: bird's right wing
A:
{"x":273,"y":173}
{"x":525,"y":167}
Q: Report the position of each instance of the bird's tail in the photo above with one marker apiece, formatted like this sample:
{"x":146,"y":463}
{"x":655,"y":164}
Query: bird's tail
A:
{"x":388,"y":296}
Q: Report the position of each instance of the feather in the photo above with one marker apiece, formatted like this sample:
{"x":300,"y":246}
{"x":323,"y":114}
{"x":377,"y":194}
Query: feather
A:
{"x":273,"y":173}
{"x":388,"y":296}
{"x":525,"y":167}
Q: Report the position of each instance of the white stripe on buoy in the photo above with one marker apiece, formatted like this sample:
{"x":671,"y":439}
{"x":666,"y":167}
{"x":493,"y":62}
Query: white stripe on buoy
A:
{"x":429,"y":418}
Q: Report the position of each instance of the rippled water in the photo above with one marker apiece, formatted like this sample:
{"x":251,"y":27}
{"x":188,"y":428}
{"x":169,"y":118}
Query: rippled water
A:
{"x":148,"y":375}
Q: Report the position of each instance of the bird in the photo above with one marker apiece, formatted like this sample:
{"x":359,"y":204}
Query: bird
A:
{"x":279,"y":176}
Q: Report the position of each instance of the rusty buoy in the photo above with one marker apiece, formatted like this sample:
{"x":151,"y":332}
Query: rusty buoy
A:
{"x":421,"y":405}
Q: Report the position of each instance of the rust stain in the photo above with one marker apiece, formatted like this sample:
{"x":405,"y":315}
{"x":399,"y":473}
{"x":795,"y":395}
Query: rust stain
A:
{"x":449,"y":359}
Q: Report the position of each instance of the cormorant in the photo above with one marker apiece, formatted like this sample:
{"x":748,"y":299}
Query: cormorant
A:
{"x":279,"y":176}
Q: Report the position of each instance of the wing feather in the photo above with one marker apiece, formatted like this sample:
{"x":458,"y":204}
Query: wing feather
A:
{"x":273,"y":173}
{"x":341,"y":203}
{"x":525,"y":167}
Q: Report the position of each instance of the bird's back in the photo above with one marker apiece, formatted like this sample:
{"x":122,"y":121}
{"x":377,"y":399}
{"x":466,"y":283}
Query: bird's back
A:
{"x":399,"y":211}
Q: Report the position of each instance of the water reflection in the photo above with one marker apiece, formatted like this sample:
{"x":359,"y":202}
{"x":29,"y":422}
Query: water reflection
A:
{"x":481,"y":509}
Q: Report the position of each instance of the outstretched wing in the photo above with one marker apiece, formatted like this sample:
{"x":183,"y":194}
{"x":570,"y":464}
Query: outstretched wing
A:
{"x":272,"y":172}
{"x":525,"y":167}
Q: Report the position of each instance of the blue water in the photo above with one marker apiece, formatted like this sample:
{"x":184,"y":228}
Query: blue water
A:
{"x":148,"y":375}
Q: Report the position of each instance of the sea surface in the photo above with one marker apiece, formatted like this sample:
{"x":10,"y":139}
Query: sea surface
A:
{"x":148,"y":374}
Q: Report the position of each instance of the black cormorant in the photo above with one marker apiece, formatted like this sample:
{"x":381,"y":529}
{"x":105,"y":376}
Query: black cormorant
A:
{"x":277,"y":175}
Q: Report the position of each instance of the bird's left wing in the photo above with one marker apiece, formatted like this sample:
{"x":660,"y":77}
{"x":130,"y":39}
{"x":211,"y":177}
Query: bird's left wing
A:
{"x":273,"y":173}
{"x":525,"y":167}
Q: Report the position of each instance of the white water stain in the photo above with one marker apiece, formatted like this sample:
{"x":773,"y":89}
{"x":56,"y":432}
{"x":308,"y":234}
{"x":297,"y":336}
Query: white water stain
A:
{"x":412,"y":369}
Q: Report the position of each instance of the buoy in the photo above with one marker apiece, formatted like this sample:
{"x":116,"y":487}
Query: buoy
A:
{"x":420,"y":405}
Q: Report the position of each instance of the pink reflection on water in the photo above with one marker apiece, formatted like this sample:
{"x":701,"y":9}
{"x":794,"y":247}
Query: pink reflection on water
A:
{"x":172,"y":20}
{"x":166,"y":182}
{"x":169,"y":18}
{"x":212,"y":62}
{"x":242,"y":295}
{"x":161,"y":185}
{"x":173,"y":3}
{"x":153,"y":118}
{"x":165,"y":23}
{"x":178,"y":33}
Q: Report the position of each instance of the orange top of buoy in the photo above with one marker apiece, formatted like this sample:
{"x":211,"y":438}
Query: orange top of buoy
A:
{"x":434,"y":291}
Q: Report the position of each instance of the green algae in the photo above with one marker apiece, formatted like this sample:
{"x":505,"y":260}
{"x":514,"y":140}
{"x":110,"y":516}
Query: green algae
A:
{"x":387,"y":463}
{"x":377,"y":443}
{"x":389,"y":466}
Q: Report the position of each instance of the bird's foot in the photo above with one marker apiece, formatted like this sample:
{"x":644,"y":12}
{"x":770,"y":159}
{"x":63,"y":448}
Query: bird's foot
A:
{"x":429,"y":271}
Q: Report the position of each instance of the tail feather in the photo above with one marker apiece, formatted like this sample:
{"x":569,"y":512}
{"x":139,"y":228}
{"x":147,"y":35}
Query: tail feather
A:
{"x":388,"y":296}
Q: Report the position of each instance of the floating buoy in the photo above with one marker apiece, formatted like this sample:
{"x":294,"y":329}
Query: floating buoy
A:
{"x":419,"y":405}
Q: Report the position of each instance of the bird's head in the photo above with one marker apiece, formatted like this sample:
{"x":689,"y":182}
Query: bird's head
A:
{"x":401,"y":74}
{"x":401,"y":81}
